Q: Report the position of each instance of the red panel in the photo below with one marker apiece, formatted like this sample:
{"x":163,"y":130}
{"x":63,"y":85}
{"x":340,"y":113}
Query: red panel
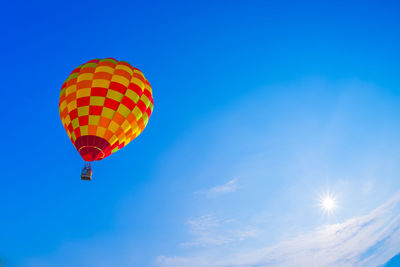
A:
{"x":75,"y":70}
{"x":73,"y":114}
{"x":118,"y":87}
{"x":148,"y":94}
{"x":70,"y":128}
{"x":93,"y":61}
{"x":148,"y":111}
{"x":84,"y":120}
{"x":126,"y":101}
{"x":142,"y":106}
{"x":77,"y":132}
{"x":98,"y":91}
{"x":95,"y":110}
{"x":83,"y":101}
{"x":111,"y":103}
{"x":134,"y":87}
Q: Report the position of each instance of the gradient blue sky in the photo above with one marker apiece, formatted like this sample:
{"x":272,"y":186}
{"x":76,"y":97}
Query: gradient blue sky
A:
{"x":260,"y":108}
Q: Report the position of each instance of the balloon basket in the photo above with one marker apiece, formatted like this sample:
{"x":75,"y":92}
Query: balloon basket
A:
{"x":87,"y":172}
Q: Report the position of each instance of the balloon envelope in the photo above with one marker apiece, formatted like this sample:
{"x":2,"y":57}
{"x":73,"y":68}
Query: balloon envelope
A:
{"x":104,"y":104}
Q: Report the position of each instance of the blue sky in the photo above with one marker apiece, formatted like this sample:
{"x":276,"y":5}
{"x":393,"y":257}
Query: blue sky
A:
{"x":260,"y":108}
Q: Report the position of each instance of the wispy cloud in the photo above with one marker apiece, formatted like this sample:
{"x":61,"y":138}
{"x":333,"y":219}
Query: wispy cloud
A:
{"x":368,"y":240}
{"x":207,"y":230}
{"x":229,"y":187}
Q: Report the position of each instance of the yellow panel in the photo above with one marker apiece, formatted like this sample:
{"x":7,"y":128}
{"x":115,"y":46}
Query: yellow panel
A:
{"x":107,"y":113}
{"x":71,"y":106}
{"x":138,"y":82}
{"x":101,"y":83}
{"x":69,"y":134}
{"x":125,"y":126}
{"x":117,"y":96}
{"x":134,"y":127}
{"x":120,"y":79}
{"x":146,"y":100}
{"x":67,"y":120}
{"x":94,"y":120}
{"x":73,"y":136}
{"x":137,"y":112}
{"x":104,"y":69}
{"x":97,"y":100}
{"x":85,"y":77}
{"x":113,"y":139}
{"x":63,"y":105}
{"x":84,"y":130}
{"x":125,"y":68}
{"x":113,"y":127}
{"x":145,"y":118}
{"x":83,"y":92}
{"x":138,"y":72}
{"x":132,"y":95}
{"x":75,"y":123}
{"x":148,"y":87}
{"x":122,"y":138}
{"x":124,"y":111}
{"x":83,"y":111}
{"x":70,"y":89}
{"x":101,"y":131}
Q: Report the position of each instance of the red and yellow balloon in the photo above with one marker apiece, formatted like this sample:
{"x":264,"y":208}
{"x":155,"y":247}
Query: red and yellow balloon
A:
{"x":104,"y":105}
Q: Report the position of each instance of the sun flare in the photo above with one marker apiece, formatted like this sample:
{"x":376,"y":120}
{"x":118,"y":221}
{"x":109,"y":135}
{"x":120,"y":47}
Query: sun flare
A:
{"x":327,"y":203}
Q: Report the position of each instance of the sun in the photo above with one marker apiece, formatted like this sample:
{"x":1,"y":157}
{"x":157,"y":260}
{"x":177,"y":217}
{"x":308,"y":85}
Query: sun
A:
{"x":327,"y":203}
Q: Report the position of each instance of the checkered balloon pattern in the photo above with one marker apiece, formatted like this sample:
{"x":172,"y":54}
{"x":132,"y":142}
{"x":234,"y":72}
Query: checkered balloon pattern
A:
{"x":104,"y":104}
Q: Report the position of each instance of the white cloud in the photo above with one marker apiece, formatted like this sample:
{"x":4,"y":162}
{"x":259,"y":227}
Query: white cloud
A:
{"x":207,"y":231}
{"x":368,"y":240}
{"x":228,"y":187}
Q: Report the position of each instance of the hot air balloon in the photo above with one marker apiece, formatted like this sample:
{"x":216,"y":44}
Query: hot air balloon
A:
{"x":104,"y":104}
